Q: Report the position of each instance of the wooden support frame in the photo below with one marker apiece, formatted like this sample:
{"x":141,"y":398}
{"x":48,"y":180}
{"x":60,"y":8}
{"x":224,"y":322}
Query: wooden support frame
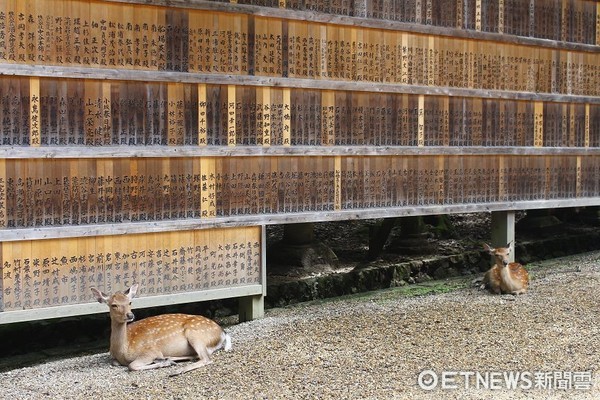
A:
{"x":503,"y":229}
{"x":288,"y":146}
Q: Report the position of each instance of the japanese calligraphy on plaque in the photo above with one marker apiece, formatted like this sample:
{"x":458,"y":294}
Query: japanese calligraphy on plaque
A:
{"x":57,"y":272}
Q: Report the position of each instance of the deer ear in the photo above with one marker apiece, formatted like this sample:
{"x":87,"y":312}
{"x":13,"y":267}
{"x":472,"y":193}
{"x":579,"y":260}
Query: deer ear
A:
{"x":488,"y":248}
{"x":130,"y":293}
{"x":100,"y":297}
{"x":508,"y":244}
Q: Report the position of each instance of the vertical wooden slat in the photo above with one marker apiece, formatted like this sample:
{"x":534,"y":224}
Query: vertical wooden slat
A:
{"x":175,"y":114}
{"x":287,"y":117}
{"x":231,"y":117}
{"x":27,"y":273}
{"x":445,"y":111}
{"x":548,"y":181}
{"x":3,"y":198}
{"x":134,"y":188}
{"x":459,"y":14}
{"x":266,"y":116}
{"x":538,"y":124}
{"x":8,"y":275}
{"x":587,"y":126}
{"x":106,"y":120}
{"x":93,"y":111}
{"x":502,"y":179}
{"x":328,"y":117}
{"x":431,"y":67}
{"x":531,"y":22}
{"x":338,"y":183}
{"x":501,"y":16}
{"x":321,"y":46}
{"x":578,"y":178}
{"x":202,"y":122}
{"x":572,"y":125}
{"x":477,"y":121}
{"x":208,"y":192}
{"x":421,"y":123}
{"x":564,"y":125}
{"x":85,"y":248}
{"x":568,"y":74}
{"x":34,"y":112}
{"x":478,"y":15}
{"x":597,"y":24}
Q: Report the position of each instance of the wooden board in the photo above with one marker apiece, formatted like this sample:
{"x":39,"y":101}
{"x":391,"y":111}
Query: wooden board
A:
{"x":60,"y":272}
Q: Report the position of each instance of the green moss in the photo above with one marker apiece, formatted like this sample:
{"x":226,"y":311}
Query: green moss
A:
{"x":385,"y":295}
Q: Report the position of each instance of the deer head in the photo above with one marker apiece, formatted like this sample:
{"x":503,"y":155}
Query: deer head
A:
{"x":119,"y":304}
{"x":501,"y":254}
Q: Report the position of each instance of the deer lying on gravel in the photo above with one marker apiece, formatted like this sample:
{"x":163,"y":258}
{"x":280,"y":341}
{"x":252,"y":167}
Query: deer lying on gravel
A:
{"x":505,"y":276}
{"x":159,"y":341}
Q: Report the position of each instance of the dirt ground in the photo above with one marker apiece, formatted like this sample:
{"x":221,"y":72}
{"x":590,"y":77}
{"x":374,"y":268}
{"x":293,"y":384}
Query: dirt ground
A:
{"x":461,"y":343}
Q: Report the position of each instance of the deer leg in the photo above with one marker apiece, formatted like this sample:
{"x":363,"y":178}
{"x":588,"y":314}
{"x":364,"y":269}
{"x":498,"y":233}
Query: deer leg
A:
{"x":202,"y":352}
{"x":184,"y":358}
{"x":150,"y":361}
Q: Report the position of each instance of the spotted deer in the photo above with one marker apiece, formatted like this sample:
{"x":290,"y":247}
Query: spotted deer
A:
{"x":505,"y":276}
{"x":159,"y":341}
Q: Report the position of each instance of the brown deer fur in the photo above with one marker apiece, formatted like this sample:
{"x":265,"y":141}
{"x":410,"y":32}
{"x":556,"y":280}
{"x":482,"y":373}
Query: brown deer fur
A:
{"x":505,"y":276}
{"x":161,"y":340}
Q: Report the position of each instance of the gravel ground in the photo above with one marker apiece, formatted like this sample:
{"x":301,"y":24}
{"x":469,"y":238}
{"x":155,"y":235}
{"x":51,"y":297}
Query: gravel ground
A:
{"x":375,"y":346}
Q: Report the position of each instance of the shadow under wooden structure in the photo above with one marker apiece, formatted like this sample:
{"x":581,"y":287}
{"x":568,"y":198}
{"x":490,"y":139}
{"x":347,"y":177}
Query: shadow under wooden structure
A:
{"x":151,"y":141}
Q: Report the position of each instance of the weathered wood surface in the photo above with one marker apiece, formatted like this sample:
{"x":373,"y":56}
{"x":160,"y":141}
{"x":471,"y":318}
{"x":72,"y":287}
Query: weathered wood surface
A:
{"x":152,"y":140}
{"x":511,"y":26}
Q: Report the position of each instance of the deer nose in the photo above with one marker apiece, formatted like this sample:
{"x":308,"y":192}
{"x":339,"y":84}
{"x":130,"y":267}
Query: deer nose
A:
{"x":505,"y":262}
{"x":130,"y":317}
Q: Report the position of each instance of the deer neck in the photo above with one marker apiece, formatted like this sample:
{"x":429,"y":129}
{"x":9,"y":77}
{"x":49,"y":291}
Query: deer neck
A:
{"x":509,"y":281}
{"x":505,"y":272}
{"x":119,"y":344}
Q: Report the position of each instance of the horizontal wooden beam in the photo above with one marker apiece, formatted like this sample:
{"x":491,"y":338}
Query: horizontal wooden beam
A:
{"x":110,"y":152}
{"x":314,"y":16}
{"x":9,"y":317}
{"x":52,"y":71}
{"x":54,"y":232}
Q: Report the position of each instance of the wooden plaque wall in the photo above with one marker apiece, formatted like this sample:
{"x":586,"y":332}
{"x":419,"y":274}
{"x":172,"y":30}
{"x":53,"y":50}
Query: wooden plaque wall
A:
{"x":148,"y":141}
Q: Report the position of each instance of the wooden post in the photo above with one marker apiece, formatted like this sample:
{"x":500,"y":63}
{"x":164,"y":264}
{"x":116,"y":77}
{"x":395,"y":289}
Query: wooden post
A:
{"x":503,"y":229}
{"x":253,"y":307}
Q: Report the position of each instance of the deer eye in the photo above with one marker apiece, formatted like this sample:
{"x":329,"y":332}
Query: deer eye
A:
{"x":113,"y":306}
